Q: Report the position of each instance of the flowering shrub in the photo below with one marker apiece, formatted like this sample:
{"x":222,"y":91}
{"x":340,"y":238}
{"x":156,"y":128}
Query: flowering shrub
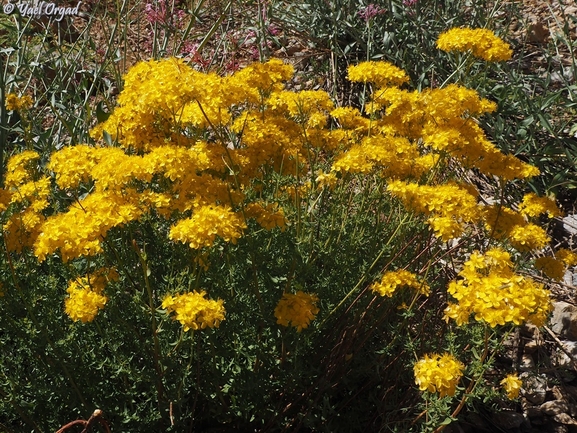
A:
{"x":257,"y":193}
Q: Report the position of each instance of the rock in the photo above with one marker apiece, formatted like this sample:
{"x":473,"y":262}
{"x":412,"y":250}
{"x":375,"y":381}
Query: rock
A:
{"x":527,"y":363}
{"x":557,"y":393}
{"x":535,"y":387}
{"x":564,"y":418}
{"x":554,"y":407}
{"x":561,"y":359}
{"x":533,"y":412}
{"x":508,"y":420}
{"x":572,"y":390}
{"x":531,"y":347}
{"x":560,"y":428}
{"x":570,"y":224}
{"x":564,"y":320}
{"x":475,"y":421}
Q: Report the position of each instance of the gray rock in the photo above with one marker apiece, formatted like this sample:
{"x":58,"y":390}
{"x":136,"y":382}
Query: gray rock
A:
{"x":570,"y":224}
{"x":564,"y":320}
{"x":535,"y":387}
{"x":554,"y":407}
{"x":561,"y":359}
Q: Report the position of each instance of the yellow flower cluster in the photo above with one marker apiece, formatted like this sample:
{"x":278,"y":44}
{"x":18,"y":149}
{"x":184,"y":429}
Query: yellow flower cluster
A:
{"x":493,"y":293}
{"x":326,"y":180}
{"x":555,"y":267}
{"x":533,"y":206}
{"x":28,"y":192}
{"x":194,"y":311}
{"x":85,"y":295}
{"x":512,"y":386}
{"x":164,"y":162}
{"x":395,"y":279}
{"x":268,"y":216}
{"x":569,"y":258}
{"x":190,"y":145}
{"x":206,"y":223}
{"x":504,"y":223}
{"x":296,"y":310}
{"x":450,"y":205}
{"x":382,"y":74}
{"x":551,"y":267}
{"x":79,"y":232}
{"x":438,"y":373}
{"x":481,"y":42}
{"x":16,"y":103}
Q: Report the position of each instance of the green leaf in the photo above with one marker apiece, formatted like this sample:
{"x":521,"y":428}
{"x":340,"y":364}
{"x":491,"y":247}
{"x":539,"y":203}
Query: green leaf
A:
{"x":101,"y":115}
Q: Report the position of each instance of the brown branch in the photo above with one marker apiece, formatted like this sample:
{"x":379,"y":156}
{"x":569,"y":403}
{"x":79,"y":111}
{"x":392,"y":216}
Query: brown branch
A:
{"x":96,"y":417}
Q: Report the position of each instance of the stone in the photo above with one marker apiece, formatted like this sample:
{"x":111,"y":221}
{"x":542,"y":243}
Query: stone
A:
{"x":560,"y":428}
{"x":508,"y":420}
{"x":561,"y":359}
{"x":476,"y":421}
{"x":535,"y":387}
{"x":564,"y":418}
{"x":531,"y":347}
{"x":533,"y":412}
{"x":527,"y":363}
{"x":564,"y":320}
{"x":570,"y":224}
{"x":554,"y":407}
{"x":572,"y":390}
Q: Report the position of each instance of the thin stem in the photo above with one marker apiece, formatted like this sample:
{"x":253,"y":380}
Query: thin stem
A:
{"x":146,"y":272}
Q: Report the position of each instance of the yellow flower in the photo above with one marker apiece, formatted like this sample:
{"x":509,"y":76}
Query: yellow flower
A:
{"x":395,"y":279}
{"x":206,"y":223}
{"x":296,"y":310}
{"x":568,"y":257}
{"x":194,"y":311}
{"x":551,"y":267}
{"x":326,"y":180}
{"x":14,"y":102}
{"x":533,"y":206}
{"x":512,"y":386}
{"x":85,"y":295}
{"x":381,"y":73}
{"x":481,"y":42}
{"x":268,"y":216}
{"x":495,"y":294}
{"x":438,"y":373}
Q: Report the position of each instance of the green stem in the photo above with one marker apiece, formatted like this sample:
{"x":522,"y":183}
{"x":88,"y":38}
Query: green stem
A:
{"x":146,"y":272}
{"x":367,"y":272}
